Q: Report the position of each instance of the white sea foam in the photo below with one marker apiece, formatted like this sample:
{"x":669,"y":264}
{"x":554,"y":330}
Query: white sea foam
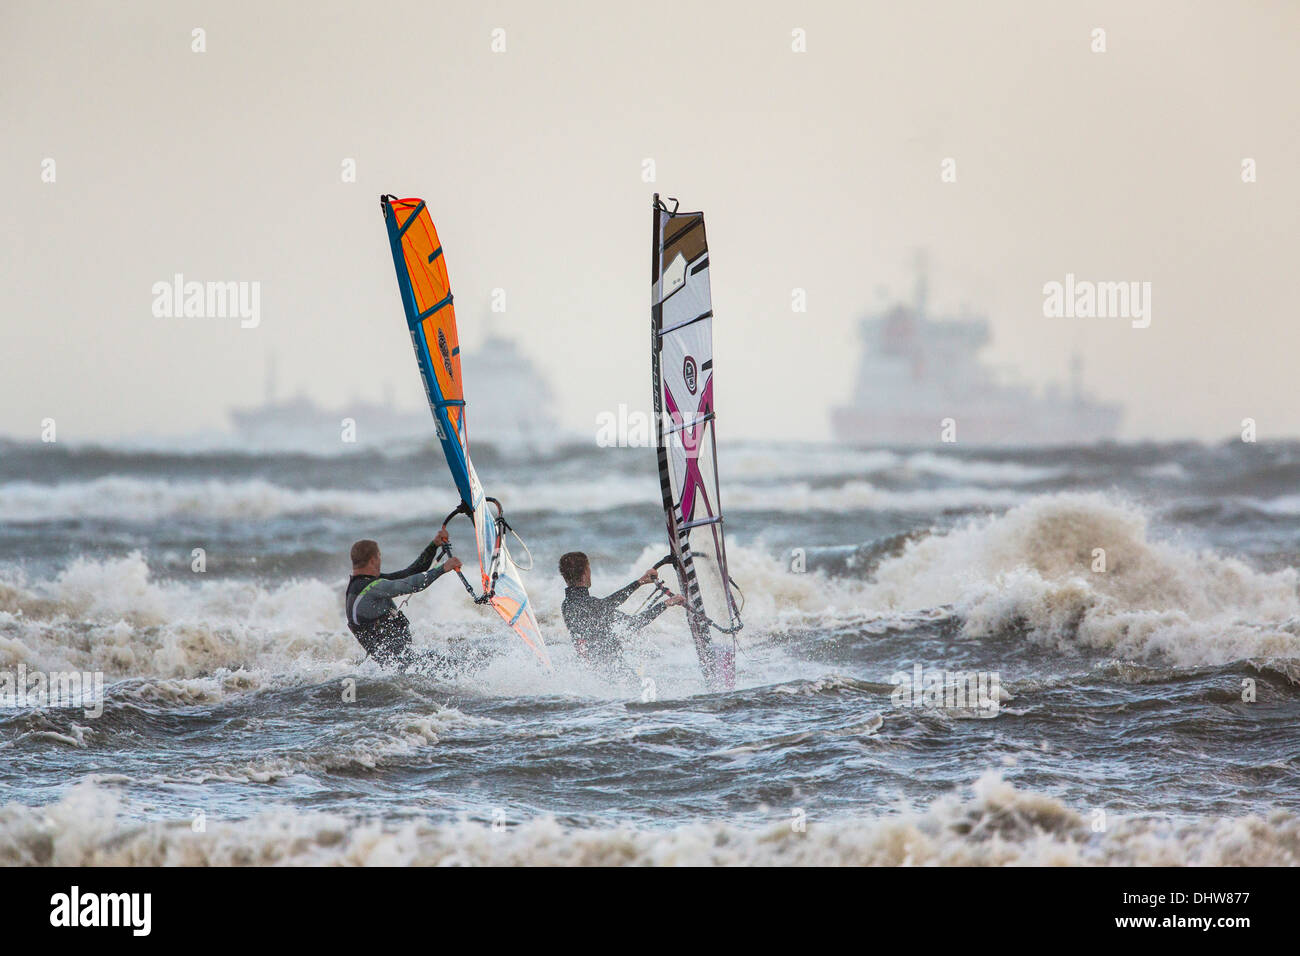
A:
{"x":147,"y":500}
{"x":1027,"y":571}
{"x":198,"y":642}
{"x":747,"y":462}
{"x":1032,"y":569}
{"x":997,"y":824}
{"x":111,"y":616}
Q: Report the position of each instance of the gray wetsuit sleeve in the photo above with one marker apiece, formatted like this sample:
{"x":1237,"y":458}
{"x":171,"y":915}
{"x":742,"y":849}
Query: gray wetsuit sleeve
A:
{"x":371,"y":603}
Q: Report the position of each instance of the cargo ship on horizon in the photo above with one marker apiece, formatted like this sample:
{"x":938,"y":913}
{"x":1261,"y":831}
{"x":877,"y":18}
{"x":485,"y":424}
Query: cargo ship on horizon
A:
{"x":917,"y":370}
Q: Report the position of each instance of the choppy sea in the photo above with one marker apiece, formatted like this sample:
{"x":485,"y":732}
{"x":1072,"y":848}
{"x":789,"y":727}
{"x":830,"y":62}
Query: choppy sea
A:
{"x":1130,"y":612}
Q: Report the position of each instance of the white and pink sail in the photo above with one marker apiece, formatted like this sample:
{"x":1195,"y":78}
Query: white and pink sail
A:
{"x":681,"y":310}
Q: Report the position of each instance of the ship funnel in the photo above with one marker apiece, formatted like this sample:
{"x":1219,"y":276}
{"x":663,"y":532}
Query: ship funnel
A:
{"x":921,"y":289}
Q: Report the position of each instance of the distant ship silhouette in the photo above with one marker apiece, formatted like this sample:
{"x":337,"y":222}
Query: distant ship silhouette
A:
{"x":508,"y":407}
{"x":917,"y":370}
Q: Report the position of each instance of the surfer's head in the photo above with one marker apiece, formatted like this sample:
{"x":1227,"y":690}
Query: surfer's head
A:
{"x":575,"y":569}
{"x":365,"y":557}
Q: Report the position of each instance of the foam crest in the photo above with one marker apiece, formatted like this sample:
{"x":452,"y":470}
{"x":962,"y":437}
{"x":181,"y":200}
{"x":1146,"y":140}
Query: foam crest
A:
{"x":998,"y":824}
{"x":143,"y":500}
{"x":1031,"y":569}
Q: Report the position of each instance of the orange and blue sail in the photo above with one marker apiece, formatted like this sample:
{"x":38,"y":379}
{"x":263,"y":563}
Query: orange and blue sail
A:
{"x":431,"y":321}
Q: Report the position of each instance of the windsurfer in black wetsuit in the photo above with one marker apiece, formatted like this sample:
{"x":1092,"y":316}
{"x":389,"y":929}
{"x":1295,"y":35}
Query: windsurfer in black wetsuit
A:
{"x":373,"y":618}
{"x":597,"y":625}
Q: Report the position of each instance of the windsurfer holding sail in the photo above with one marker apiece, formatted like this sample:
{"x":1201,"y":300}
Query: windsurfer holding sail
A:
{"x":597,"y":626}
{"x":373,"y":617}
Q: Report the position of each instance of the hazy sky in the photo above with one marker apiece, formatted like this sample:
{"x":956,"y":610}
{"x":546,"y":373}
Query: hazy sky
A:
{"x":818,"y":170}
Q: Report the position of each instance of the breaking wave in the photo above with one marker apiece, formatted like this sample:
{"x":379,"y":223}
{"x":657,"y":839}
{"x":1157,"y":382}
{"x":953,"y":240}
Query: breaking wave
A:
{"x":140,"y":500}
{"x":1036,"y":570}
{"x":998,"y":824}
{"x":1026,"y":573}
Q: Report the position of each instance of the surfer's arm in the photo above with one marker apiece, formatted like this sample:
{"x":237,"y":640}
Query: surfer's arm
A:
{"x":621,"y":595}
{"x":395,"y":587}
{"x":418,"y":566}
{"x":376,"y":600}
{"x":639,"y":620}
{"x":634,"y":622}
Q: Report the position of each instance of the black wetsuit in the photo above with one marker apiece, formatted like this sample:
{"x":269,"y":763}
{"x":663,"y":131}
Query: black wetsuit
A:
{"x":374,"y":619}
{"x":598,"y":626}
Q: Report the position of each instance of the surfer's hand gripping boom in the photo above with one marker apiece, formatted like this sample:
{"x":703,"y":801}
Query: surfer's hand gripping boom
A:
{"x":449,"y":561}
{"x":659,"y":595}
{"x":445,"y":552}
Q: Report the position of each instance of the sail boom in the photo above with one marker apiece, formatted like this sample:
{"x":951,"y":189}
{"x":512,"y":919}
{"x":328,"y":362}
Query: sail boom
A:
{"x":687,"y":525}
